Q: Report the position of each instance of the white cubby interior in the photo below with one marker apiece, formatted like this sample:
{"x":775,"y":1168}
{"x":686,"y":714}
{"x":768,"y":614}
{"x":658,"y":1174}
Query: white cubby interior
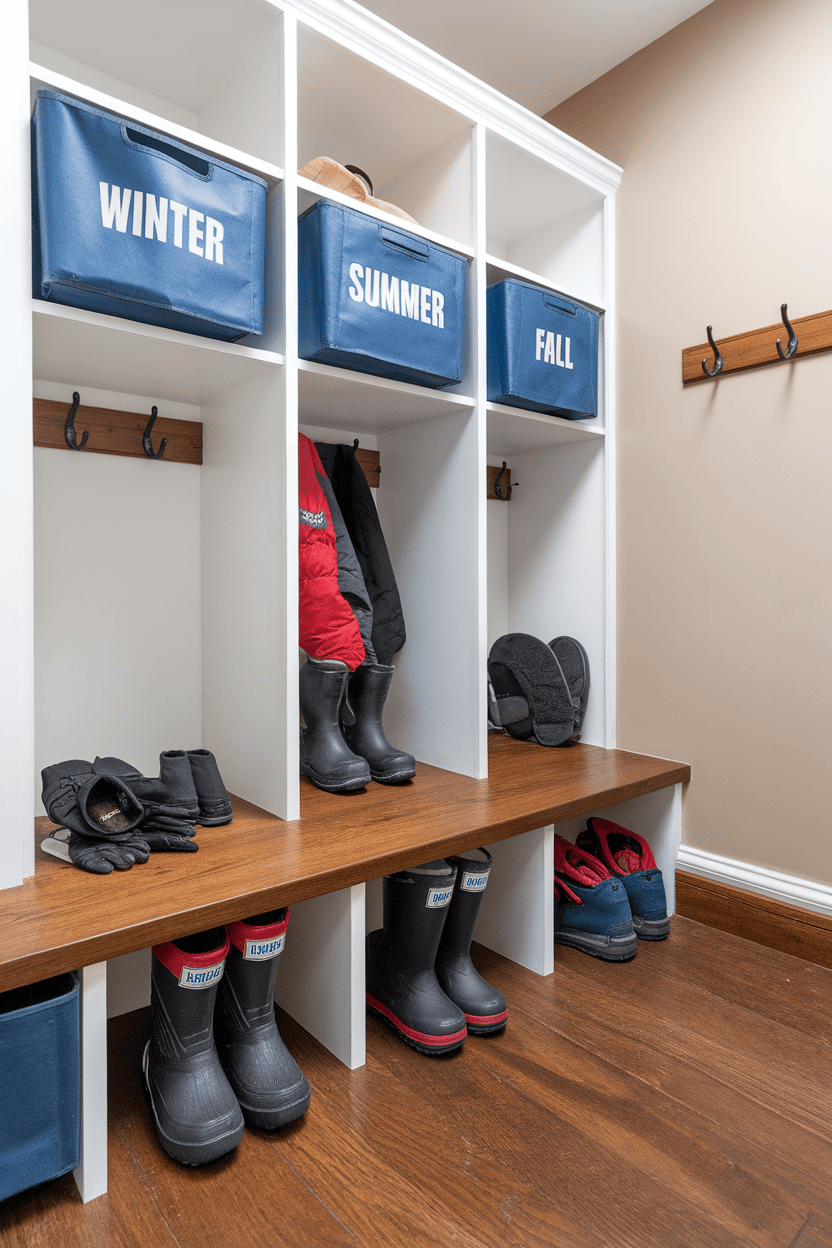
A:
{"x":166,"y":595}
{"x":211,"y":66}
{"x":416,"y":151}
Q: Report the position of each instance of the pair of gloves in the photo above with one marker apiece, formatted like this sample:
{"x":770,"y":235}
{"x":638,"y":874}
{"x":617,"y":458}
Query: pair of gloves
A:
{"x":116,"y":816}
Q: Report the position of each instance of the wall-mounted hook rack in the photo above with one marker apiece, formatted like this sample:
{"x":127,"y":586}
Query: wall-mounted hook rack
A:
{"x":498,"y":483}
{"x":108,"y":432}
{"x":808,"y":335}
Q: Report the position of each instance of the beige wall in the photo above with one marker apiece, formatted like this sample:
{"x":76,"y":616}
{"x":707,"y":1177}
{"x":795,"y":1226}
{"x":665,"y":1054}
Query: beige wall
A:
{"x":724,"y":130}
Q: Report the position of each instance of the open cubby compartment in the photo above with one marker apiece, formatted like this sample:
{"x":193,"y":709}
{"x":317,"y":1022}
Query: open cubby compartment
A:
{"x":549,"y":554}
{"x":417,"y":152}
{"x":166,"y":627}
{"x":543,"y":223}
{"x":215,"y":69}
{"x":429,"y":507}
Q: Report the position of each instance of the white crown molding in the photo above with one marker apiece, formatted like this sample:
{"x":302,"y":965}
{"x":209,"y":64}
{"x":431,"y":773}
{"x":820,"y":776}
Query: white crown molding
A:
{"x":370,"y":37}
{"x":790,"y":889}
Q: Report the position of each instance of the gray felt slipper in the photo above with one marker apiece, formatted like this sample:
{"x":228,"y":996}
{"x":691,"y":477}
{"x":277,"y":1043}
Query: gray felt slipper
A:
{"x":574,"y":662}
{"x":533,"y":697}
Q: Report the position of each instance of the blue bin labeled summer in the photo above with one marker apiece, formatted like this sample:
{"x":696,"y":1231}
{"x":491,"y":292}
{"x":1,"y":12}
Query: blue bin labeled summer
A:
{"x":40,"y":1082}
{"x":542,"y":351}
{"x":132,"y":223}
{"x":378,"y":299}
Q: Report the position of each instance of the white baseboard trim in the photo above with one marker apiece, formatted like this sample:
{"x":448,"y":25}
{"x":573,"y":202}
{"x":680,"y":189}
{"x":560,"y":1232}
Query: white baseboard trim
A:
{"x":790,"y":889}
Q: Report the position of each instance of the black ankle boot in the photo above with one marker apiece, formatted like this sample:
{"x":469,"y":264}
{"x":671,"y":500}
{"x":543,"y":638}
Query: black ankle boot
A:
{"x":214,"y":802}
{"x":483,"y":1006}
{"x":368,"y":688}
{"x":196,"y":1114}
{"x":402,"y":988}
{"x":267,"y":1081}
{"x":325,"y":756}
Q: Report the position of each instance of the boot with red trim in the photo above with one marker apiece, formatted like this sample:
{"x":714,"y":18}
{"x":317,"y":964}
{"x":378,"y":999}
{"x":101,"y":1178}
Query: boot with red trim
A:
{"x":195,"y":1111}
{"x":267,"y":1081}
{"x":627,"y":855}
{"x":402,"y":988}
{"x":483,"y":1006}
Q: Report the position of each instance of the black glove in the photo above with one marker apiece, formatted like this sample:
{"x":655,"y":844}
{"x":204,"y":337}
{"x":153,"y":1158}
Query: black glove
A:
{"x":170,"y":801}
{"x":96,"y":804}
{"x":100,"y":857}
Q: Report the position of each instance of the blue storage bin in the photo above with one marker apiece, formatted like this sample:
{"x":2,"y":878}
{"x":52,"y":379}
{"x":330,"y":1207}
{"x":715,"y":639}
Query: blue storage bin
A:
{"x":134,"y":224}
{"x":40,"y":1082}
{"x":542,"y":351}
{"x":378,"y":299}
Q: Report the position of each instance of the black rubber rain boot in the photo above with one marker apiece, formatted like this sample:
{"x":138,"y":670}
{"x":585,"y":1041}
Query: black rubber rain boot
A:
{"x":214,"y":802}
{"x":402,"y":988}
{"x":483,"y":1006}
{"x":368,"y":688}
{"x":195,"y":1111}
{"x":325,"y":756}
{"x":267,"y":1081}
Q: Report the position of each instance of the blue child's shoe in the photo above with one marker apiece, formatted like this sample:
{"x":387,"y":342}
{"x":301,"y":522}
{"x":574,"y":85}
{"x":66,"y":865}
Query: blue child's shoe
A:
{"x":627,"y":855}
{"x":592,"y":910}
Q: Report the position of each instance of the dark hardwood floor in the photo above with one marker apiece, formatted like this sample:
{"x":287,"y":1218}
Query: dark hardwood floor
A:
{"x":683,"y":1100}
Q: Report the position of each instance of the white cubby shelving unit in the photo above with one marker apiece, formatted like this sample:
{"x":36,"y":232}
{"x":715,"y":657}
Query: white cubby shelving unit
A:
{"x":162,"y":609}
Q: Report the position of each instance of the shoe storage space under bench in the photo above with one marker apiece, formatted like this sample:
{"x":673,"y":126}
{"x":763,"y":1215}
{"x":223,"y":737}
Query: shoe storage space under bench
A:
{"x":328,"y":866}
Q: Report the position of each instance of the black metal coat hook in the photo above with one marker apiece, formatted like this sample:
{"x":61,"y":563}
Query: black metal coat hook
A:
{"x":503,"y":494}
{"x":146,"y":442}
{"x":717,"y":368}
{"x":69,"y":428}
{"x":792,"y":344}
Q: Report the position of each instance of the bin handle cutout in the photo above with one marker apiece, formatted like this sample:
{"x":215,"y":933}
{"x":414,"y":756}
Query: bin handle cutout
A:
{"x":179,"y":155}
{"x":403,"y":242}
{"x":560,"y":305}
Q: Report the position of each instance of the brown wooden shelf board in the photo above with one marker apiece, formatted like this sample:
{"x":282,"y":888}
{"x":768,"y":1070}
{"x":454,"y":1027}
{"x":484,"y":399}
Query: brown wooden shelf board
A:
{"x":62,"y":918}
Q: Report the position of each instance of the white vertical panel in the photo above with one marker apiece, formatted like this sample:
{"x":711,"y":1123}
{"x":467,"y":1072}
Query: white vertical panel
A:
{"x":117,"y":606}
{"x":244,"y":603}
{"x":438,"y":191}
{"x":91,"y":1172}
{"x":16,"y":671}
{"x":516,"y":917}
{"x":429,"y":505}
{"x":320,"y":981}
{"x":247,"y":112}
{"x":609,"y":391}
{"x":557,"y":568}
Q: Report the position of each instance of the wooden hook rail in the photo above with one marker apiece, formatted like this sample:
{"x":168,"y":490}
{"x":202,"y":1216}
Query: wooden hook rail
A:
{"x":120,"y":433}
{"x":116,"y":433}
{"x":758,"y":347}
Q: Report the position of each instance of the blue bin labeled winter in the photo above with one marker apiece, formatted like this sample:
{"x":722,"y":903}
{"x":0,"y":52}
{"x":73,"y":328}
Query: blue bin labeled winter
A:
{"x":378,"y":299}
{"x":40,"y":1080}
{"x":134,"y":224}
{"x":542,"y":350}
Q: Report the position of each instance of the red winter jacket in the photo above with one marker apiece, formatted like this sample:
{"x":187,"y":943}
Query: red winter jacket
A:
{"x":328,"y":628}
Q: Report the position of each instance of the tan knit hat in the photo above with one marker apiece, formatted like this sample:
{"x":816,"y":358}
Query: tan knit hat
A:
{"x":349,"y":181}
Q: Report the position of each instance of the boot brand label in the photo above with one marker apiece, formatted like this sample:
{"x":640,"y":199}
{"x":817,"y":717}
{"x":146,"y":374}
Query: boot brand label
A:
{"x":438,"y":897}
{"x":201,"y":976}
{"x":381,"y":290}
{"x":259,"y":950}
{"x":554,"y":348}
{"x":473,"y":882}
{"x":204,"y":235}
